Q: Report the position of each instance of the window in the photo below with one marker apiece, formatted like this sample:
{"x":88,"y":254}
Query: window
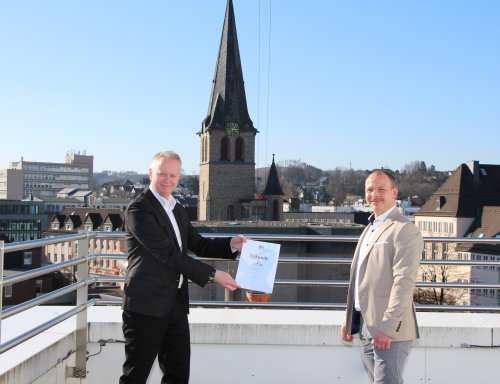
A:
{"x":424,"y":276}
{"x":239,"y":149}
{"x":55,"y":225}
{"x":107,"y":228}
{"x":203,"y":148}
{"x":7,"y":291}
{"x":224,"y":155}
{"x":88,"y":227}
{"x":68,"y":227}
{"x":28,"y":258}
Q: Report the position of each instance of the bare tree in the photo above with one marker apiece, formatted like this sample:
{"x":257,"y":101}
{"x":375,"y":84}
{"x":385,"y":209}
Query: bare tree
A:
{"x":440,"y":273}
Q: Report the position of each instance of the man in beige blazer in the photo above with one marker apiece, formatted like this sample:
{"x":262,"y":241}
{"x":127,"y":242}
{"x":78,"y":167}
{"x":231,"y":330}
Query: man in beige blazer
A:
{"x":383,"y":273}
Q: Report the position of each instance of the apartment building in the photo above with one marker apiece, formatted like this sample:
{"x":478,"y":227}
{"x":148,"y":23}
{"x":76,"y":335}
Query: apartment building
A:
{"x":22,"y":220}
{"x":463,"y":206}
{"x":42,"y":179}
{"x":73,"y":219}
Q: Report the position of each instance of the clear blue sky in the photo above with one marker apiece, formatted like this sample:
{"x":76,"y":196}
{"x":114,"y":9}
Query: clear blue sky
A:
{"x":340,"y":83}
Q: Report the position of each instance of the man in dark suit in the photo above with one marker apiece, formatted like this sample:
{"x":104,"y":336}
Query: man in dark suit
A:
{"x":383,"y":273}
{"x":156,"y":299}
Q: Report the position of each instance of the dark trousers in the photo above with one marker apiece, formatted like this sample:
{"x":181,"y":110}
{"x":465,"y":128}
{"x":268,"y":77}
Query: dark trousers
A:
{"x":147,"y":337}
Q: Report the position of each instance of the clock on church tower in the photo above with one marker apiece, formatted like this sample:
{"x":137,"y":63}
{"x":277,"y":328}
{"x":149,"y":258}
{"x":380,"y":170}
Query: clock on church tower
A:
{"x":227,"y":136}
{"x":232,"y":128}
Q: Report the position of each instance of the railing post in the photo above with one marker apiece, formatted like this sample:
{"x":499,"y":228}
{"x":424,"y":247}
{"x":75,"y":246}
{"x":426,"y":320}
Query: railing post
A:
{"x":81,"y":337}
{"x":1,"y":286}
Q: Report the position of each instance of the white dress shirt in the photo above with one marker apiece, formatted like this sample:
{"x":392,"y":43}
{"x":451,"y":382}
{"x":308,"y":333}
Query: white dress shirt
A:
{"x":169,"y":205}
{"x":365,"y":243}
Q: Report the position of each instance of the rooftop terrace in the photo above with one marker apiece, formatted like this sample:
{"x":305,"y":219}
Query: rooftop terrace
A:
{"x":235,"y":341}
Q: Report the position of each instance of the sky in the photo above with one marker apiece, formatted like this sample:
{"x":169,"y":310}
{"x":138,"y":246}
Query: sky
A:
{"x":360,"y":84}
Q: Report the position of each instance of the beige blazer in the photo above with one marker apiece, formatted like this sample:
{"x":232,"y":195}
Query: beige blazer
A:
{"x":387,"y":279}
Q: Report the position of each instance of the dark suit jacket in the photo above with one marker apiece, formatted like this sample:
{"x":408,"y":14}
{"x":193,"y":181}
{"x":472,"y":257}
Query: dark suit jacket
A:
{"x":155,"y":260}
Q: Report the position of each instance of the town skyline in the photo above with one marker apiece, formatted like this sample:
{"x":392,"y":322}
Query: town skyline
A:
{"x":325,"y":83}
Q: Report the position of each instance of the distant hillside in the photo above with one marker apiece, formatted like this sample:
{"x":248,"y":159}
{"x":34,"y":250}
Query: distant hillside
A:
{"x":113,"y":176}
{"x":299,"y":179}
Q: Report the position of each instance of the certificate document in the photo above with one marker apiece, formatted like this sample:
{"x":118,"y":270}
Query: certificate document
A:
{"x":257,"y":267}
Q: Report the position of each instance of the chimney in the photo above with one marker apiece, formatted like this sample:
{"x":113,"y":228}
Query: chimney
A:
{"x":474,"y":169}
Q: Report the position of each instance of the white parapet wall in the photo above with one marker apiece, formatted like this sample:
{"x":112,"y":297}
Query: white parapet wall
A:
{"x":258,"y":346}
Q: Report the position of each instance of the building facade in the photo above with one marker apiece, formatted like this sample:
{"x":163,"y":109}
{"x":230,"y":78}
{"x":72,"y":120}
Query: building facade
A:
{"x":456,"y":209}
{"x":71,"y":220}
{"x":40,"y":179}
{"x":23,"y":261}
{"x":22,"y":220}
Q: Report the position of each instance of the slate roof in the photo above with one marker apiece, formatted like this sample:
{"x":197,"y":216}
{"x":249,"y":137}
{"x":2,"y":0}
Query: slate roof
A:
{"x":273,"y":186}
{"x":80,"y":215}
{"x":59,"y":218}
{"x":95,"y":218}
{"x":486,"y":225}
{"x":469,"y":188}
{"x":116,"y":220}
{"x":228,"y":100}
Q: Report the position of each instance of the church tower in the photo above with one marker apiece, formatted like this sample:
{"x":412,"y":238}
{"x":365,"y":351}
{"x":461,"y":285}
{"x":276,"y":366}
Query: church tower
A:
{"x":227,"y":136}
{"x":273,"y":194}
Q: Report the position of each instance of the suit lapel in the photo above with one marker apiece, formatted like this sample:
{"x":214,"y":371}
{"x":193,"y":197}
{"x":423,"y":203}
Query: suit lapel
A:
{"x":163,"y":218}
{"x":383,"y":227}
{"x":356,"y":252}
{"x":180,"y":224}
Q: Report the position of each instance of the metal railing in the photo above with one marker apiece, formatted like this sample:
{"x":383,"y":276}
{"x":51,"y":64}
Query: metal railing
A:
{"x":82,"y":259}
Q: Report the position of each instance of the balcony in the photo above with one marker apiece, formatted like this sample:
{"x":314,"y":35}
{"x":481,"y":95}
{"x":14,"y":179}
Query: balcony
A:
{"x":234,"y":341}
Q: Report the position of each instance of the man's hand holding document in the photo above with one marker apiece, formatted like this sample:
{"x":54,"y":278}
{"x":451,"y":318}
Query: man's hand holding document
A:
{"x":257,"y":266}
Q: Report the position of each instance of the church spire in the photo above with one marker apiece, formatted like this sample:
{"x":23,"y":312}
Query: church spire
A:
{"x":273,"y":186}
{"x":228,"y":102}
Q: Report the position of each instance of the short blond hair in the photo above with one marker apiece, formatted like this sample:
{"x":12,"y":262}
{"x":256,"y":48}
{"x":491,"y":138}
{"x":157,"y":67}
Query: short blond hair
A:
{"x":166,"y":155}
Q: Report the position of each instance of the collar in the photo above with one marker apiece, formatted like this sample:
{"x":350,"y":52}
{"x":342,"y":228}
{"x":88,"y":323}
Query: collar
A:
{"x":381,"y":218}
{"x":165,"y":203}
